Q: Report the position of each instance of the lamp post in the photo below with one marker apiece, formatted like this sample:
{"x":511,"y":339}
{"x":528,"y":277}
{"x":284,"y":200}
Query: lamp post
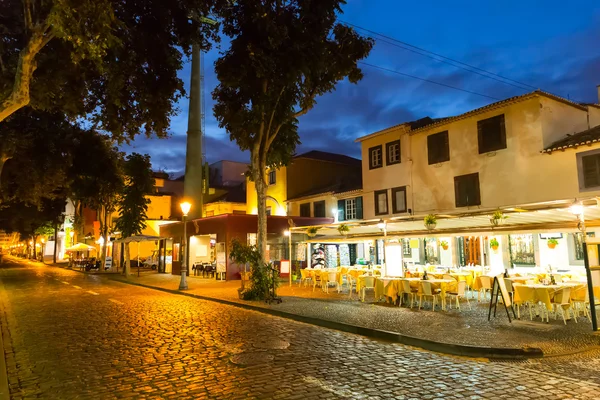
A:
{"x":577,"y":210}
{"x":382,"y":225}
{"x":43,"y":248}
{"x":185,"y":209}
{"x":71,"y":234}
{"x":289,"y":236}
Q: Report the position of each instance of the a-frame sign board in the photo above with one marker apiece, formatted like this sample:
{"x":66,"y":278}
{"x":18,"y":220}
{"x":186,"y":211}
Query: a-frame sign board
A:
{"x":499,"y":288}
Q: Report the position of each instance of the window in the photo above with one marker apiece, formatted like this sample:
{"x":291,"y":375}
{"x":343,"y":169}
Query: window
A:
{"x":305,"y":210}
{"x":438,"y":148}
{"x":399,"y":200}
{"x":590,"y":168}
{"x":392,"y":152}
{"x":251,"y":239}
{"x":381,"y":202}
{"x":269,"y":210}
{"x":491,"y":134}
{"x":350,"y":209}
{"x":319,"y":209}
{"x":375,"y":159}
{"x":466,"y":190}
{"x":272,"y":177}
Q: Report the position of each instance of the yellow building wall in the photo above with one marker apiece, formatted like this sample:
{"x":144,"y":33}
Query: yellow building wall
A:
{"x":330,"y":205}
{"x":519,"y":174}
{"x":219,"y":208}
{"x":277,"y":194}
{"x":305,"y":175}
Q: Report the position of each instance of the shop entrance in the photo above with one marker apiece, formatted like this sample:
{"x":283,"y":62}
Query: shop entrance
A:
{"x":472,"y":251}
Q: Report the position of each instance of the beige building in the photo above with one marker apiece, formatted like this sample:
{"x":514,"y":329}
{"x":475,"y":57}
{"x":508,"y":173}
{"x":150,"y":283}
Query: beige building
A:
{"x":529,"y":158}
{"x":309,"y":174}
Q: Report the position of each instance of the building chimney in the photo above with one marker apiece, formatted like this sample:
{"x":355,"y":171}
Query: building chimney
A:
{"x":192,"y":184}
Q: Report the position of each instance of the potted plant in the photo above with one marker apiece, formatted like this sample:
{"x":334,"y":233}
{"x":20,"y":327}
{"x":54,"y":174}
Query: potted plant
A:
{"x":497,"y":218}
{"x":552,"y":243}
{"x":312,"y":231}
{"x":343,"y":229}
{"x":430,"y":221}
{"x":444,"y":244}
{"x":494,"y":244}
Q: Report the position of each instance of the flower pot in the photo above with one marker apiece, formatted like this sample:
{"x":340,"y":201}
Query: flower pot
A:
{"x":430,"y":226}
{"x":495,"y":221}
{"x":445,"y":247}
{"x":551,"y":245}
{"x":495,"y":248}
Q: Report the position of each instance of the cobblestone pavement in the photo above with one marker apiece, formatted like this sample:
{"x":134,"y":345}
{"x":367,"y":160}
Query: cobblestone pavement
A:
{"x":467,"y":327}
{"x":72,"y":335}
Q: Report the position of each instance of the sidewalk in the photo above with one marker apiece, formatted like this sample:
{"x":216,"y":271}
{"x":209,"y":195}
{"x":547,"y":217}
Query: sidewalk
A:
{"x":432,"y":330}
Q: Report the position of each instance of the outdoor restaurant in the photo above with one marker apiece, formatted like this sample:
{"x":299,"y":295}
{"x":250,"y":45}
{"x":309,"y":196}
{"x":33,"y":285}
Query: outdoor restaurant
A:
{"x":537,"y":250}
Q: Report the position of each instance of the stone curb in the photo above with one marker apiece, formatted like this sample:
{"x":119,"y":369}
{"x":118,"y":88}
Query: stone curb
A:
{"x":518,"y":353}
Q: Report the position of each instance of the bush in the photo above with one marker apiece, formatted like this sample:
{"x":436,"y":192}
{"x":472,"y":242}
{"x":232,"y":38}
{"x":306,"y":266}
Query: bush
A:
{"x":262,"y":277}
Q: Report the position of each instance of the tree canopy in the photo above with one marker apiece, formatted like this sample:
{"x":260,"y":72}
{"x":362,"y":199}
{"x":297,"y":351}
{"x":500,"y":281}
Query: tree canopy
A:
{"x":283,"y":55}
{"x":113,"y":62}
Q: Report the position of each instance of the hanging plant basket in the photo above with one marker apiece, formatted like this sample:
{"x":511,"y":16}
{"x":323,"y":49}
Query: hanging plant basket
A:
{"x":444,"y":244}
{"x":430,"y":222}
{"x":312,"y":232}
{"x":343,"y":229}
{"x":552,"y":243}
{"x":497,"y":218}
{"x":494,"y":244}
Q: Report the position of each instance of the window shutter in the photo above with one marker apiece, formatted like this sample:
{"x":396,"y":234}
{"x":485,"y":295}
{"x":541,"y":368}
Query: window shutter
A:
{"x":341,"y":210}
{"x":476,"y":193}
{"x":359,"y":208}
{"x":591,"y":177}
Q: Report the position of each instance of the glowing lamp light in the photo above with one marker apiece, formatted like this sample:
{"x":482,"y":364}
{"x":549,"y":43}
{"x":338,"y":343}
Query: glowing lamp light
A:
{"x":31,"y":242}
{"x":185,"y":208}
{"x":576,"y":209}
{"x":100,"y":241}
{"x":71,"y":234}
{"x":286,"y":233}
{"x":381,"y":224}
{"x":334,"y":211}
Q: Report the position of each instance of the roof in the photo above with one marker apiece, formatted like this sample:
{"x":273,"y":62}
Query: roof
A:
{"x":331,"y":157}
{"x":344,"y":185}
{"x":428,"y":123}
{"x":229,"y":194}
{"x":575,"y":140}
{"x":501,"y":103}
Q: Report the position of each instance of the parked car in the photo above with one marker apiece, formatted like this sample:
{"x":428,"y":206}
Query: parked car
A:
{"x":151,"y":261}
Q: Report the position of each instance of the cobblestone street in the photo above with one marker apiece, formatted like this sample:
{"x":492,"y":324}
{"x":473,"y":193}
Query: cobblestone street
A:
{"x":73,"y":335}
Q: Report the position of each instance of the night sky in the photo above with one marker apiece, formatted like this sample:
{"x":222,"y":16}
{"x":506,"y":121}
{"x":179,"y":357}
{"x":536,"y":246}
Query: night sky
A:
{"x":552,"y":45}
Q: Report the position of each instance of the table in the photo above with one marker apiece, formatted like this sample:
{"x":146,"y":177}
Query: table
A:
{"x":540,"y":293}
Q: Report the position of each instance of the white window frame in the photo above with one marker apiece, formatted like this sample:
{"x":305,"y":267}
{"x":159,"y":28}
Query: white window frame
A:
{"x":376,"y":157}
{"x":394,"y":153}
{"x":350,"y":209}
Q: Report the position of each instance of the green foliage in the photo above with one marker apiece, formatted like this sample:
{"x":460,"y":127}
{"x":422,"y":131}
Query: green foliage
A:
{"x":29,"y":220}
{"x":343,"y":229}
{"x":430,"y":219}
{"x":39,"y":150}
{"x":261,"y":278}
{"x":499,"y":215}
{"x":444,"y":243}
{"x":113,"y":62}
{"x":312,"y":231}
{"x":553,"y":241}
{"x":494,"y":243}
{"x":133,"y":203}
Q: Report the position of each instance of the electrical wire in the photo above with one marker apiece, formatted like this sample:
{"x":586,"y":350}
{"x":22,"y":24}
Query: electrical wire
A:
{"x":426,"y":80}
{"x":447,"y":60}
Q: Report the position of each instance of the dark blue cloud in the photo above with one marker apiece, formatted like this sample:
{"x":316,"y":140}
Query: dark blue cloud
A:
{"x":552,"y":48}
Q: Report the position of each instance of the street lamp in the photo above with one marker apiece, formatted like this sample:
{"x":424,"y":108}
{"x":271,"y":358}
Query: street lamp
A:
{"x":289,"y":236}
{"x":382,"y":225}
{"x":185,"y":209}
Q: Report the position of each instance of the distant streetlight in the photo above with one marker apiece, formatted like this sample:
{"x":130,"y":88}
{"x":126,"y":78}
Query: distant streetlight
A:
{"x":185,"y":209}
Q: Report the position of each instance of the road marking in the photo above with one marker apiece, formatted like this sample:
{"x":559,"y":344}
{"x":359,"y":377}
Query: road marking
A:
{"x":94,"y":293}
{"x":66,"y":283}
{"x":116,"y":301}
{"x":76,"y":287}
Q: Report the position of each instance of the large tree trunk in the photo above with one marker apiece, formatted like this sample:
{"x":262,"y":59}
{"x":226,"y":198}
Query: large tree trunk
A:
{"x":55,"y":243}
{"x":19,"y":96}
{"x":127,"y":266}
{"x":258,"y":174}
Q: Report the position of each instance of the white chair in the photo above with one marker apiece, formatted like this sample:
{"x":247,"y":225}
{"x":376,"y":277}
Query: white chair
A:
{"x":510,"y":289}
{"x":428,"y":292}
{"x":562,"y":302}
{"x":460,"y":293}
{"x":368,"y":283}
{"x":351,"y":284}
{"x":486,"y":286}
{"x":580,"y":298}
{"x":332,"y":279}
{"x":409,"y":292}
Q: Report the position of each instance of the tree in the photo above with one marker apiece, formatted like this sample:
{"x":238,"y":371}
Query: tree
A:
{"x":113,"y":62}
{"x":283,"y":55}
{"x":40,"y":145}
{"x":133,"y":203}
